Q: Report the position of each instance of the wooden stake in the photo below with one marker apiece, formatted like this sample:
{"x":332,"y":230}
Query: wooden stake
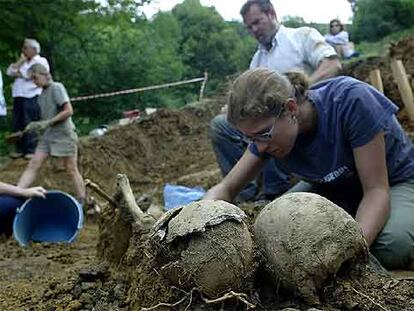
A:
{"x":404,"y":86}
{"x":376,"y":80}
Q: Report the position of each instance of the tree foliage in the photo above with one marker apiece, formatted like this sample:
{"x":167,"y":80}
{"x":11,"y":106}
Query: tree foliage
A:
{"x":95,"y":48}
{"x":102,"y":46}
{"x":375,"y":19}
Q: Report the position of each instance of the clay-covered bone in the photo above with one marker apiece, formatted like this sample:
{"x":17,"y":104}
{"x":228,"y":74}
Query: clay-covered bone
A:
{"x":306,"y":238}
{"x":206,"y":245}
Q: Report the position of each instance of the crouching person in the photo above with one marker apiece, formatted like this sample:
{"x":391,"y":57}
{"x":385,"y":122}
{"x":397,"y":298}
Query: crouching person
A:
{"x":342,"y":139}
{"x":59,"y":138}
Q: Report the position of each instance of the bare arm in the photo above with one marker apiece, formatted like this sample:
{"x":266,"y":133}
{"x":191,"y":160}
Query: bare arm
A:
{"x":328,"y":68}
{"x":374,"y":208}
{"x":66,"y":112}
{"x":13,"y":69}
{"x":243,"y":172}
{"x":22,"y":192}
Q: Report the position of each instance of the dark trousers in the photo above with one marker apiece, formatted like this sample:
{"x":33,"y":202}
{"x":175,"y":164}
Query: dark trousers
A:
{"x":8,"y":207}
{"x":25,"y":110}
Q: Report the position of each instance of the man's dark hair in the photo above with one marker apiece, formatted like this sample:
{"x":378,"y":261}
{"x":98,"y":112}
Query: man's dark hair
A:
{"x":264,"y":5}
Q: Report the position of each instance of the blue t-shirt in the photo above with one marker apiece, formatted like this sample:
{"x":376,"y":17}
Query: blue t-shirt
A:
{"x":350,"y":114}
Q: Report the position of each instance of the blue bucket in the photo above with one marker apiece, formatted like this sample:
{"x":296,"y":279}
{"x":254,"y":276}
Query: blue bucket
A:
{"x":58,"y":218}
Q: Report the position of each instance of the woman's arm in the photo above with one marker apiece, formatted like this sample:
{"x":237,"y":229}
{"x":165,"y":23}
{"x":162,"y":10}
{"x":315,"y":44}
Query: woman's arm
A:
{"x":246,"y":169}
{"x":374,"y":208}
{"x":22,"y":192}
{"x":66,"y":112}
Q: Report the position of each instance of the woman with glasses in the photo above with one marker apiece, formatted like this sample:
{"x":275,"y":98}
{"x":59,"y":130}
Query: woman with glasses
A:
{"x":339,"y":39}
{"x":341,"y":138}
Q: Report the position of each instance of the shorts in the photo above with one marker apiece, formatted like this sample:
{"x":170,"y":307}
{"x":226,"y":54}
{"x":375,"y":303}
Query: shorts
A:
{"x":58,"y":147}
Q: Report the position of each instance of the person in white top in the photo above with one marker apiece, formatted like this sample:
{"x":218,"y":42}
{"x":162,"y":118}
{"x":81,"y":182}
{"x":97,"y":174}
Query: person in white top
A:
{"x":339,"y":39}
{"x":282,"y":49}
{"x":3,"y":109}
{"x":25,"y":93}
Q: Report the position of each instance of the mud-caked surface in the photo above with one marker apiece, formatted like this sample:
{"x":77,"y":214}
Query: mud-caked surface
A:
{"x":305,"y":238}
{"x":31,"y":276}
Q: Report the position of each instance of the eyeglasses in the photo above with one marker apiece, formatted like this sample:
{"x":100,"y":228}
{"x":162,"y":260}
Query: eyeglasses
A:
{"x":265,"y":135}
{"x":262,"y":137}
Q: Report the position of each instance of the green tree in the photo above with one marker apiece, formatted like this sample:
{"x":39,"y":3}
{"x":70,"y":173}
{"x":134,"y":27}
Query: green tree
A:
{"x":209,"y":43}
{"x":293,"y":21}
{"x":375,"y":19}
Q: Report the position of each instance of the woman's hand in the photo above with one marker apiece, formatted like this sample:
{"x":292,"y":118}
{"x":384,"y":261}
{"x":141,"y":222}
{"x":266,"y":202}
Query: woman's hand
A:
{"x":39,"y":192}
{"x":241,"y":174}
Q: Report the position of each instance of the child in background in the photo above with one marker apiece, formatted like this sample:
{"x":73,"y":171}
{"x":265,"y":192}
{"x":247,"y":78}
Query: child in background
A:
{"x":59,"y":138}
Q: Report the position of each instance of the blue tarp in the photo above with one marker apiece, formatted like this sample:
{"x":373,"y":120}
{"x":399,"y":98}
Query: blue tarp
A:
{"x":175,"y":195}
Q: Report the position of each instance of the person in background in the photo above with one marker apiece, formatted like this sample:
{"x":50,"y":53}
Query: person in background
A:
{"x":3,"y":106}
{"x":341,"y":138}
{"x":25,"y":93}
{"x":11,"y":198}
{"x":283,"y":49}
{"x":59,"y":138}
{"x":339,"y":39}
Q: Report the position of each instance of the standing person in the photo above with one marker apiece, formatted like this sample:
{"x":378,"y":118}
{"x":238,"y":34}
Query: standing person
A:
{"x":59,"y":138}
{"x":3,"y":108}
{"x":282,"y":49}
{"x":25,"y":93}
{"x":342,"y":139}
{"x":11,"y":198}
{"x":339,"y":39}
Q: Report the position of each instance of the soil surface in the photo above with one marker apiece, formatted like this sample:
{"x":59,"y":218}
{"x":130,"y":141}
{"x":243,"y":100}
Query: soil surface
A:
{"x":168,"y":146}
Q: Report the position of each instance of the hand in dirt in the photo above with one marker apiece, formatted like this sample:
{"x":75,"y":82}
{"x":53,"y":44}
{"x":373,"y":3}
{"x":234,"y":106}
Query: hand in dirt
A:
{"x":37,"y":126}
{"x":34,"y":192}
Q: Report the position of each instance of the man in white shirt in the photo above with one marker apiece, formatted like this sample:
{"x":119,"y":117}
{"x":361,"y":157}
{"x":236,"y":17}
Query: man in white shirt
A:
{"x":25,"y":93}
{"x":282,"y":49}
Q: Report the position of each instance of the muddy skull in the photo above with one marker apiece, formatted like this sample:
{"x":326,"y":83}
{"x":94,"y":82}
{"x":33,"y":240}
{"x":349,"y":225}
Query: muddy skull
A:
{"x":206,"y":245}
{"x":306,"y":238}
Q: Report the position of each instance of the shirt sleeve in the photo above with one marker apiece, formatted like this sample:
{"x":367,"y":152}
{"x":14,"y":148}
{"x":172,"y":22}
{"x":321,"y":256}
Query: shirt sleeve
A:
{"x":315,"y":47}
{"x":60,"y":94}
{"x":364,"y":114}
{"x":340,"y":38}
{"x":11,"y":71}
{"x":254,"y":63}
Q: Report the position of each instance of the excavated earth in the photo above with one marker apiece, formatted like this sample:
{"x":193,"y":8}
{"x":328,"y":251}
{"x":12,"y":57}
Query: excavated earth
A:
{"x":170,"y":146}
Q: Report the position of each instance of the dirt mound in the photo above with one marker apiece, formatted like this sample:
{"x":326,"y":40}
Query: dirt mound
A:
{"x":156,"y":149}
{"x":402,"y":50}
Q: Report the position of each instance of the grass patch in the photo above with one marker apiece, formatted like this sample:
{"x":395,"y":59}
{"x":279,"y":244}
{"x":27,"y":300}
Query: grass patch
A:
{"x":380,"y":48}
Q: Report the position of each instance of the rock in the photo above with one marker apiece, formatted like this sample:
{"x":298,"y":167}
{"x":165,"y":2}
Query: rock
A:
{"x":305,"y":239}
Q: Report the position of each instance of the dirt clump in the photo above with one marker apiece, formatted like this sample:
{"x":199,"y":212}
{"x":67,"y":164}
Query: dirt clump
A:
{"x":206,"y":245}
{"x":306,"y":238}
